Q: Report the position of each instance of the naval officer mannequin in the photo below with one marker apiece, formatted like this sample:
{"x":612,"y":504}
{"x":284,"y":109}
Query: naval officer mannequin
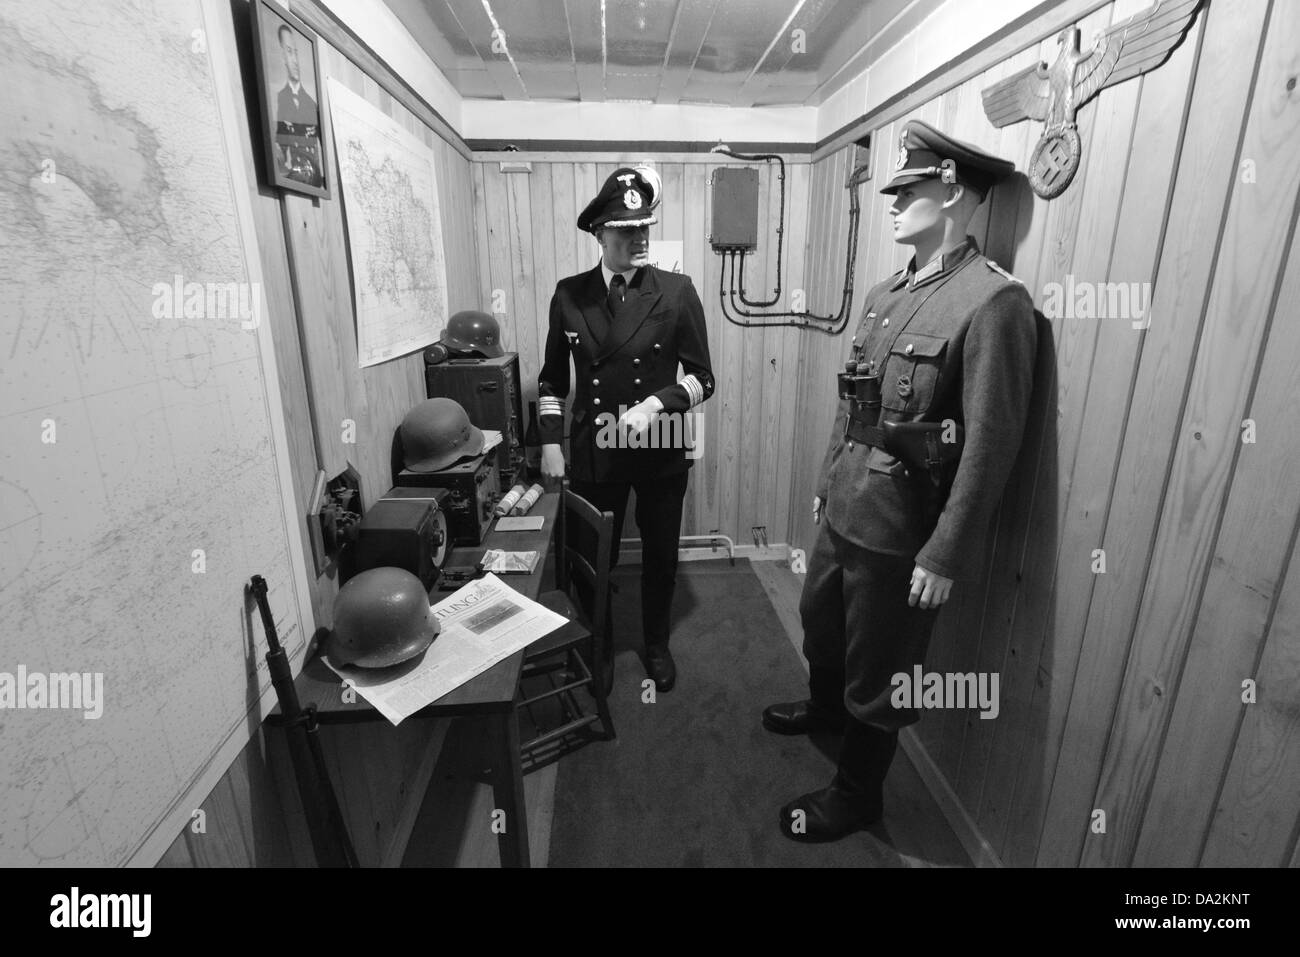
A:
{"x":627,"y":327}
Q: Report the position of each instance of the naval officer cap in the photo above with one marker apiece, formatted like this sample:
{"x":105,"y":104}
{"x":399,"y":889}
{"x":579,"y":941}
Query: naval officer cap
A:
{"x":925,"y":153}
{"x":628,"y":198}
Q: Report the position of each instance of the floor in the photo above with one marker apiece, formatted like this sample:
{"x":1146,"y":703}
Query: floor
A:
{"x":454,"y":826}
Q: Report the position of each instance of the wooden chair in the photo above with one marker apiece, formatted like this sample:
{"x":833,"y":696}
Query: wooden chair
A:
{"x":578,"y":652}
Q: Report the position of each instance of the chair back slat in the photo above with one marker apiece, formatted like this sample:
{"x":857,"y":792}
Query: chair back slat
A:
{"x":577,"y":558}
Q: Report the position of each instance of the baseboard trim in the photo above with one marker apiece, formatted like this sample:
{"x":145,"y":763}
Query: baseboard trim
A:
{"x":979,"y":849}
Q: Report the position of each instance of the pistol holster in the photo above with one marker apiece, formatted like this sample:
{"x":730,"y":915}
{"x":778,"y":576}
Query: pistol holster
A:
{"x":921,"y":447}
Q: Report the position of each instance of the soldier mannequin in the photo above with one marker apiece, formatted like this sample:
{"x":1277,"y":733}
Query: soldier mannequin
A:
{"x":627,"y":326}
{"x":948,"y":341}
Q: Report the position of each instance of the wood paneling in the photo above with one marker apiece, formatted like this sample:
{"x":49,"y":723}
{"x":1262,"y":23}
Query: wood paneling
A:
{"x":1122,"y":691}
{"x":1194,"y":511}
{"x":253,"y":816}
{"x":527,"y":222}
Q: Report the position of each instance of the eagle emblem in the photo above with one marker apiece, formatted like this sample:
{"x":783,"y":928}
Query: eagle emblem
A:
{"x":1055,"y":94}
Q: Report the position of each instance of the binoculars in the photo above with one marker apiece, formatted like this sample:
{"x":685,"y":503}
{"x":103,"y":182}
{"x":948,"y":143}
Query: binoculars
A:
{"x":862,"y":388}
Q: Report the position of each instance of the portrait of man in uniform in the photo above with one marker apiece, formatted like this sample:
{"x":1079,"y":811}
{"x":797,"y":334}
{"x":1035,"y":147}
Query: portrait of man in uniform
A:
{"x":290,"y":84}
{"x":627,"y":327}
{"x":934,"y":400}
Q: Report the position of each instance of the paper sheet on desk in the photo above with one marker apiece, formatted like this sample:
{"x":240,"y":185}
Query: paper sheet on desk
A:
{"x":481,"y":624}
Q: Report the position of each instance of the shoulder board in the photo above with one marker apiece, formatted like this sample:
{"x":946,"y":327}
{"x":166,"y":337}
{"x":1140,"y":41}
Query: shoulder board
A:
{"x":1000,"y":271}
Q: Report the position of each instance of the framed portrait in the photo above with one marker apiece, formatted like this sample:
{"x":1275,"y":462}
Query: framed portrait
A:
{"x":289,"y":90}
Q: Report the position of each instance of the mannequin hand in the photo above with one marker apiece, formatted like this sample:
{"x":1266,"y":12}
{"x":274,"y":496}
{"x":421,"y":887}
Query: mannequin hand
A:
{"x":552,"y":466}
{"x":929,"y":589}
{"x":640,"y":416}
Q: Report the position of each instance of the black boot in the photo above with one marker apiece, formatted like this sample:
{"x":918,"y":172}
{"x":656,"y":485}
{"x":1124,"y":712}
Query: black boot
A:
{"x":854,"y":798}
{"x":822,"y":711}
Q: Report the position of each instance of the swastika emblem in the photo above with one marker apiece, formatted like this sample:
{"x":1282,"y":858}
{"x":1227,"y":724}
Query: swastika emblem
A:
{"x":1055,"y":161}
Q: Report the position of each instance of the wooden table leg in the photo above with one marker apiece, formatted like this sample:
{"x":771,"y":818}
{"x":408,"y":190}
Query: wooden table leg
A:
{"x":508,"y":792}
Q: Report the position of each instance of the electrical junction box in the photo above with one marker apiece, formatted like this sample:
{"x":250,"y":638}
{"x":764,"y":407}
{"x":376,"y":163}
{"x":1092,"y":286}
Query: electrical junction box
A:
{"x":735,"y":209}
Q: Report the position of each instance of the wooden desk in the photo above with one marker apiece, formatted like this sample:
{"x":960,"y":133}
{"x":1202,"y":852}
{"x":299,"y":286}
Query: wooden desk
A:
{"x":490,"y":695}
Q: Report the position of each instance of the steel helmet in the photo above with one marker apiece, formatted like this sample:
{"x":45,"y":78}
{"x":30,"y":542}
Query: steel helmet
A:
{"x":381,"y":618}
{"x":436,"y":433}
{"x":472,"y":331}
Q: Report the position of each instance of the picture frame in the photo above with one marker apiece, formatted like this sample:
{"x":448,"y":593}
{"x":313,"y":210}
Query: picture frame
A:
{"x":289,"y":93}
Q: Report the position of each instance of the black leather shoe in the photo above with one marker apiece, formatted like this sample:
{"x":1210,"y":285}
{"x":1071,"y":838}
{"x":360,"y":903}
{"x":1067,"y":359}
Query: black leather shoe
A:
{"x":829,"y":814}
{"x":659,"y":666}
{"x":801,"y":717}
{"x":855,"y":798}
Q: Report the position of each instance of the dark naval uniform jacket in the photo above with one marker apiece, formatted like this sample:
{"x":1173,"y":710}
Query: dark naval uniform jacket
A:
{"x":954,"y":340}
{"x":620,"y":362}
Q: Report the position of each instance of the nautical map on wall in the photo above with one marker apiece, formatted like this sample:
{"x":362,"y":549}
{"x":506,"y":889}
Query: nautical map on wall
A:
{"x":394,"y":232}
{"x":143,"y":462}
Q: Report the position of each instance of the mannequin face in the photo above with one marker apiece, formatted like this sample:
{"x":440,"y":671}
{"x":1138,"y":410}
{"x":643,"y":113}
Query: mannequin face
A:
{"x":921,"y":210}
{"x":625,"y":247}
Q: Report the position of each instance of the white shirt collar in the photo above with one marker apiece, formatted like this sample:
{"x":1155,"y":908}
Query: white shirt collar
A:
{"x":608,"y":273}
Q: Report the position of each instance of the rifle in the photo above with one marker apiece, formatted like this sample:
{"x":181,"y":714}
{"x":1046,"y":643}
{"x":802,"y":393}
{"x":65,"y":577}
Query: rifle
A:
{"x":329,"y":834}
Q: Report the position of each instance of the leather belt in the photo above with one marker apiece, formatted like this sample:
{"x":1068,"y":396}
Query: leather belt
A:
{"x":865,"y":434}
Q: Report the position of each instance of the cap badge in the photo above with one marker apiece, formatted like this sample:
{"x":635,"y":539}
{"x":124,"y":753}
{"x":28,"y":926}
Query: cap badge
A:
{"x":901,"y":162}
{"x":632,"y":199}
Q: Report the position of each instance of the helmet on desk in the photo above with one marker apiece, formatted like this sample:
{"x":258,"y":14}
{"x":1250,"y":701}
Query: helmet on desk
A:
{"x":436,"y":433}
{"x":381,"y":618}
{"x":475,"y":332}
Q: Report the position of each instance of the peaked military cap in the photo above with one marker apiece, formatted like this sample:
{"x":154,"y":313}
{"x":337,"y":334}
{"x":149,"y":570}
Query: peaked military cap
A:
{"x":628,"y":198}
{"x":924,"y":153}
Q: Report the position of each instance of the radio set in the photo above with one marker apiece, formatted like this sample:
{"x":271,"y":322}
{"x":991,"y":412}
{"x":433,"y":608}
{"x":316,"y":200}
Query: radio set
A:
{"x":472,"y":490}
{"x":488,"y":389}
{"x":407,"y":528}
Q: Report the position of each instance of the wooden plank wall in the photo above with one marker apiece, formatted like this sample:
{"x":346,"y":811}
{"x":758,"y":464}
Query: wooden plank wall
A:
{"x":1122,"y":691}
{"x":529,"y":238}
{"x":253,"y":816}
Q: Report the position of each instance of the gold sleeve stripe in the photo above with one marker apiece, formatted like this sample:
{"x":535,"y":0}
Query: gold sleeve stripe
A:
{"x":694,"y":390}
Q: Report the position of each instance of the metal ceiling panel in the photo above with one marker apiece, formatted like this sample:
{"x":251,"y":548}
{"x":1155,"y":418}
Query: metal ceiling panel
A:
{"x":731,"y":52}
{"x":476,"y":20}
{"x":691,"y":21}
{"x":587,"y":38}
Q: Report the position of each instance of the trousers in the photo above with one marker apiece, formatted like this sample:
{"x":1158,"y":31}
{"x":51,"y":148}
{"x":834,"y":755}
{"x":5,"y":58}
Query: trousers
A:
{"x":659,"y":519}
{"x":859,"y":630}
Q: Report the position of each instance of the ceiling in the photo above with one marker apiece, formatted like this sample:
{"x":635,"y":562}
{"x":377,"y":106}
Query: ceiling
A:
{"x":720,"y":52}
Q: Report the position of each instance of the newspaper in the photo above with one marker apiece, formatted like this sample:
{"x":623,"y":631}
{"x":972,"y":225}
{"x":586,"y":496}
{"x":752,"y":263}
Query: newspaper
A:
{"x":480,"y":624}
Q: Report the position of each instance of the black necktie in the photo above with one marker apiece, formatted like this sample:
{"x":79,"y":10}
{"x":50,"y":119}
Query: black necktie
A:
{"x":615,"y":299}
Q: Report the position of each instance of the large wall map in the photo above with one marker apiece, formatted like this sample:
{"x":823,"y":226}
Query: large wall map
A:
{"x":390,"y":198}
{"x":142,"y":473}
